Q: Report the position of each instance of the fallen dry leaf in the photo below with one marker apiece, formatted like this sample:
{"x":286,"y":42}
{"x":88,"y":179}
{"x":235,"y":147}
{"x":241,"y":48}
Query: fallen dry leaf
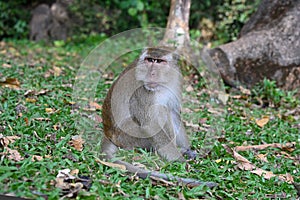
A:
{"x":35,"y":93}
{"x":63,"y":175}
{"x":12,"y":83}
{"x":69,"y":102}
{"x":236,"y":96}
{"x":263,"y":121}
{"x":13,"y":154}
{"x":181,"y":196}
{"x":114,"y":165}
{"x":262,"y":157}
{"x":192,"y":125}
{"x":245,"y":91}
{"x":288,"y":146}
{"x":47,"y":74}
{"x":77,"y":142}
{"x":216,"y":111}
{"x":74,"y":172}
{"x":268,"y":175}
{"x":6,"y":65}
{"x":50,"y":110}
{"x":60,"y":183}
{"x":42,"y":119}
{"x":6,"y":140}
{"x":245,"y":164}
{"x":36,"y":158}
{"x":29,"y":92}
{"x":95,"y":105}
{"x":26,"y":120}
{"x":109,"y":76}
{"x":48,"y":156}
{"x":56,"y":126}
{"x":189,"y":88}
{"x":71,"y":185}
{"x":30,"y":100}
{"x":286,"y":155}
{"x":57,"y":71}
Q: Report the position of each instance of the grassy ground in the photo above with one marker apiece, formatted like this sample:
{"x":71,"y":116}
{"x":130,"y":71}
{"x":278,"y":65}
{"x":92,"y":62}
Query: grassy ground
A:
{"x":36,"y":106}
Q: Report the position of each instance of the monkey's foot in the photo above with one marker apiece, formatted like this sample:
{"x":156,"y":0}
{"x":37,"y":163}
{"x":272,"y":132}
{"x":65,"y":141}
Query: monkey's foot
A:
{"x":190,"y":154}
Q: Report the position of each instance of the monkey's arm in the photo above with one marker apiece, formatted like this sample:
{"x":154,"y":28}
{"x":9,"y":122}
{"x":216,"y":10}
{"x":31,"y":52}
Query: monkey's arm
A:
{"x":182,"y":140}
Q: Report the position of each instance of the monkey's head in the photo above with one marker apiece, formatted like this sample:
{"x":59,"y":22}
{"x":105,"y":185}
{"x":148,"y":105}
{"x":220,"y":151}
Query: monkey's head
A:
{"x":157,"y":68}
{"x":59,"y":12}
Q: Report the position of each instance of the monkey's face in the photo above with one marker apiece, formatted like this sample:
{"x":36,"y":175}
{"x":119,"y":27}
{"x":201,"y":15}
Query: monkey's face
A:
{"x":59,"y":12}
{"x":156,"y":69}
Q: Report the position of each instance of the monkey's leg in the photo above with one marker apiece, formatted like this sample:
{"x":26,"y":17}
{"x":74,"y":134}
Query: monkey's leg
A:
{"x":164,"y":143}
{"x":170,"y":150}
{"x":108,"y":148}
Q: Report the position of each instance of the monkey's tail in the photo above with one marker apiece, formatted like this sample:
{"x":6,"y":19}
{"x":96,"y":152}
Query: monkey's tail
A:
{"x":143,"y":173}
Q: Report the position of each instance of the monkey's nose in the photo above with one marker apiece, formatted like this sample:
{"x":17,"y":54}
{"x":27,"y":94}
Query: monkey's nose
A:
{"x":152,"y":72}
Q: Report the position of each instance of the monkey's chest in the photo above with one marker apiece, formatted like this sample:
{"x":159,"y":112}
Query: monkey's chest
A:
{"x":146,"y":111}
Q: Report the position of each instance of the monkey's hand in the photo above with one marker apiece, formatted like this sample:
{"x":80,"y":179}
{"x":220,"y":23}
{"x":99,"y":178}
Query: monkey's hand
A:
{"x":190,"y":154}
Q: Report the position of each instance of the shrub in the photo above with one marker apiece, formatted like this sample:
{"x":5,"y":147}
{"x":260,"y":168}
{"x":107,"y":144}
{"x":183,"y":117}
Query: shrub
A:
{"x":14,"y":19}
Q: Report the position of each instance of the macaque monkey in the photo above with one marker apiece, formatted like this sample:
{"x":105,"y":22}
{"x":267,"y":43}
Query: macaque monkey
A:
{"x":142,"y":109}
{"x":58,"y":29}
{"x":49,"y":23}
{"x":39,"y":23}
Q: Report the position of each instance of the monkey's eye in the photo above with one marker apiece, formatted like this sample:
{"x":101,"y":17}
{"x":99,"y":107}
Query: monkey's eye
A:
{"x":153,"y":60}
{"x":160,"y":61}
{"x":150,"y":60}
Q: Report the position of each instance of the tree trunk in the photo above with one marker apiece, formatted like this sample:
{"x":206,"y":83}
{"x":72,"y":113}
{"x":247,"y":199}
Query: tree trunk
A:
{"x":177,"y":32}
{"x":268,"y":47}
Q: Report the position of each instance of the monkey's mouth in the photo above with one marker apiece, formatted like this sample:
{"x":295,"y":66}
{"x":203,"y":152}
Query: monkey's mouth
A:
{"x":151,"y":86}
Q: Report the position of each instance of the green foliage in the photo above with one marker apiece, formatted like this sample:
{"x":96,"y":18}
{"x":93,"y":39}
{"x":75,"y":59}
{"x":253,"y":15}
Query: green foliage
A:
{"x":90,"y":17}
{"x":232,"y":15}
{"x":222,"y":19}
{"x":147,"y":13}
{"x":269,"y":92}
{"x":135,"y":9}
{"x":14,"y":19}
{"x":112,"y":17}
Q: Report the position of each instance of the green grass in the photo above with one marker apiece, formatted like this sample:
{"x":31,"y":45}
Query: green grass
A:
{"x":36,"y":179}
